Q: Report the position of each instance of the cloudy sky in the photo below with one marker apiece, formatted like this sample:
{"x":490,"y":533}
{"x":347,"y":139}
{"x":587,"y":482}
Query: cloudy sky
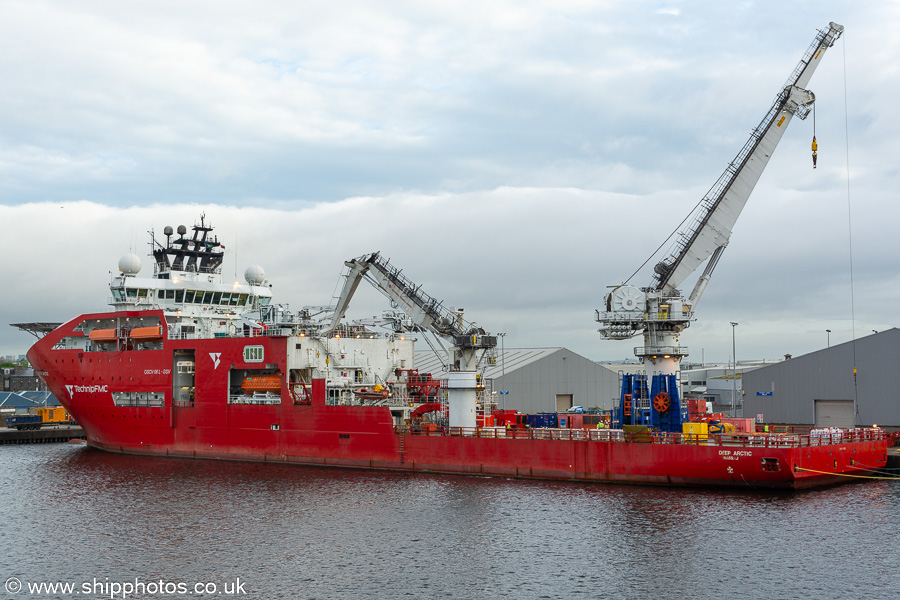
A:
{"x":514,"y":158}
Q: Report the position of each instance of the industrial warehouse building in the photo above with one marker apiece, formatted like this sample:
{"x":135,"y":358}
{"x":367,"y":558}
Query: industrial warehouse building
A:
{"x":541,"y":379}
{"x":855,"y":383}
{"x":11,"y":402}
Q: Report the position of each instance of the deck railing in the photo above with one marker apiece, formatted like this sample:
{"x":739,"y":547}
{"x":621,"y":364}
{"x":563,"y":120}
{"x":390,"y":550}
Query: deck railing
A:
{"x":749,"y":440}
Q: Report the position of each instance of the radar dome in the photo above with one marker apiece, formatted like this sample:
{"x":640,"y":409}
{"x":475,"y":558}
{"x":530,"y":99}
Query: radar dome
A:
{"x":130,"y":264}
{"x":255,"y":275}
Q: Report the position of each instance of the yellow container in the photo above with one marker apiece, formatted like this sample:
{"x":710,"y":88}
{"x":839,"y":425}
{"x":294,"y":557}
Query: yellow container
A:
{"x":52,"y":415}
{"x":695,"y":432}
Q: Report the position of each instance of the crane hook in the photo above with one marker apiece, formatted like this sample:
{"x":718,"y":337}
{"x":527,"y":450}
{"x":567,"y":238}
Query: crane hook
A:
{"x":815,"y":148}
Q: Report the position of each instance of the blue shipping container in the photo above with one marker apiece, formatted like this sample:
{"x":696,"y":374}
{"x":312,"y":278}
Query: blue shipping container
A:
{"x":541,"y":420}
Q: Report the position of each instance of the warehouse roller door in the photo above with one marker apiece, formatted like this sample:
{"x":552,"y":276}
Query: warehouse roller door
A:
{"x":834,"y":413}
{"x":563,"y":402}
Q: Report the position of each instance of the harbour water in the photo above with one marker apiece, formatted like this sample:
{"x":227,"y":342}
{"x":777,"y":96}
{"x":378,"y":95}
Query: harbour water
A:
{"x":103,"y":522}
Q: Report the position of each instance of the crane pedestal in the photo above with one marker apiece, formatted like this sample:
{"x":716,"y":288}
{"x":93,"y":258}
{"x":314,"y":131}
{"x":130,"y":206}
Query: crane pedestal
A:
{"x":462,"y":396}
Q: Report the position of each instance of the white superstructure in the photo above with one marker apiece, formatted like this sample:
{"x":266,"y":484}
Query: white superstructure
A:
{"x":360,"y":365}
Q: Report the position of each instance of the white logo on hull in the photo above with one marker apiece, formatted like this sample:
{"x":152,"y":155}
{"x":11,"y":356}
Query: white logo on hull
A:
{"x":89,"y":389}
{"x":215,"y":358}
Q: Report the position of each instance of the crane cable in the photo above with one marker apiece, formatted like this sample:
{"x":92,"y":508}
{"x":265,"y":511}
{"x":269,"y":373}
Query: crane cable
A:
{"x":815,"y":144}
{"x":856,"y":419}
{"x":664,"y":242}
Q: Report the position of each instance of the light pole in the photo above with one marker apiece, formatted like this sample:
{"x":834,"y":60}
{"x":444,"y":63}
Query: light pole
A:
{"x":733,"y":372}
{"x":828,"y":331}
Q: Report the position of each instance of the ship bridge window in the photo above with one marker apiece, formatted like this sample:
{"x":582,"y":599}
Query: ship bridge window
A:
{"x":188,"y":296}
{"x":132,"y":293}
{"x":142,"y":293}
{"x":118,"y":294}
{"x":179,"y":296}
{"x":243,"y":300}
{"x":217,"y":297}
{"x":264,"y":300}
{"x":198,"y":297}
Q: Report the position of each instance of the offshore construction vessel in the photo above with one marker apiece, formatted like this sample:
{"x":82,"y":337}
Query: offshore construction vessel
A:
{"x":186,"y":364}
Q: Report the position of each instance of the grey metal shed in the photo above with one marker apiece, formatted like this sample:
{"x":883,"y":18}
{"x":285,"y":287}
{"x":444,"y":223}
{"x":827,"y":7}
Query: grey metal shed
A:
{"x":540,"y":379}
{"x":854,"y":383}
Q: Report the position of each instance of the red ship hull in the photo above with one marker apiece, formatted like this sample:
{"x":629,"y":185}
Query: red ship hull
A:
{"x":366,"y":436}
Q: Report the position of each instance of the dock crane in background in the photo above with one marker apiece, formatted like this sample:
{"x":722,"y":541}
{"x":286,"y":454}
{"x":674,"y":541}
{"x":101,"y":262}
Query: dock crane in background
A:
{"x":659,"y":311}
{"x":467,"y":342}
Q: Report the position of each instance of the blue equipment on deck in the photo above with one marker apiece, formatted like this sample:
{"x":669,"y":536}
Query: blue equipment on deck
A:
{"x":659,"y":407}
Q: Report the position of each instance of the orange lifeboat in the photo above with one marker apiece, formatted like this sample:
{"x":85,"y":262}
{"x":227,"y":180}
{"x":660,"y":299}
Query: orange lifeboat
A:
{"x":146,"y":334}
{"x":103,"y":336}
{"x":376,"y":393}
{"x":261,"y":384}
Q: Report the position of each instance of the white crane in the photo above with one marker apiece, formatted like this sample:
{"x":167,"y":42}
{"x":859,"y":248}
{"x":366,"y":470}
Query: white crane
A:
{"x":659,"y":311}
{"x":467,"y":342}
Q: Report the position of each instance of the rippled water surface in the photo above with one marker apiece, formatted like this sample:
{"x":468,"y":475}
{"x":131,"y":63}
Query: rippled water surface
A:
{"x":74,"y":514}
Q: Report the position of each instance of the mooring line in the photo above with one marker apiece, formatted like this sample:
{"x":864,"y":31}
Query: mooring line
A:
{"x":844,"y":474}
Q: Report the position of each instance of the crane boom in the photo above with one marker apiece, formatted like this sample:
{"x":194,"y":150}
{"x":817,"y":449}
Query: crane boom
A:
{"x":468,"y":342}
{"x":720,"y":208}
{"x":426,"y":312}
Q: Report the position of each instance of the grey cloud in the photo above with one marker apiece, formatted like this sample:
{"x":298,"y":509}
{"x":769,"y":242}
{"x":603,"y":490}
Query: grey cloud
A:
{"x":516,"y":162}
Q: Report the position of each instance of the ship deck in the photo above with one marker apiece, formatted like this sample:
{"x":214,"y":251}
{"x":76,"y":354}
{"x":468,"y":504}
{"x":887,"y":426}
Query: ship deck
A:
{"x":753,"y":440}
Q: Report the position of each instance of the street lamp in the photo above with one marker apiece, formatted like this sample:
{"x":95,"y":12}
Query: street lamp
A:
{"x":828,"y":331}
{"x":733,"y":372}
